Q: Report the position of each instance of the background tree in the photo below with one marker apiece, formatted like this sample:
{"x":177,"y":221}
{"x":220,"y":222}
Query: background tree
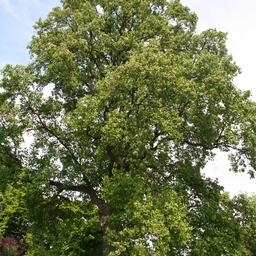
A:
{"x":124,"y":104}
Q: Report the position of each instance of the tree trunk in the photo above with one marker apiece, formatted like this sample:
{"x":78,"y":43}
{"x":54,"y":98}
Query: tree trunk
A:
{"x":106,"y":247}
{"x":104,"y":222}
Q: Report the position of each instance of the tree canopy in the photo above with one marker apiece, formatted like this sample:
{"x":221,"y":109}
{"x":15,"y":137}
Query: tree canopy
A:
{"x":104,"y":135}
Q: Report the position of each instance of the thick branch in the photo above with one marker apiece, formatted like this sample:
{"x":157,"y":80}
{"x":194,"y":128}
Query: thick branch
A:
{"x":87,"y":189}
{"x":7,"y":150}
{"x":201,"y":145}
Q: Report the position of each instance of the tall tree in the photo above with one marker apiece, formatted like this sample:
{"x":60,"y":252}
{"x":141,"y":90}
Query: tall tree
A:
{"x":122,"y":105}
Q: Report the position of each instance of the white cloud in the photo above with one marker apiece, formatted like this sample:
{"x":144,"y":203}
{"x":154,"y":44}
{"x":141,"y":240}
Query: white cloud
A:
{"x":234,"y":183}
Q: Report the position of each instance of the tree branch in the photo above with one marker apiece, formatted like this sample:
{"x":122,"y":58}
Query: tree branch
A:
{"x":87,"y":189}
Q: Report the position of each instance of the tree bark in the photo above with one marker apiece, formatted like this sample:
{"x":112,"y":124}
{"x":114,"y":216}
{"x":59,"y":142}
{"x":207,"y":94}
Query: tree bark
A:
{"x":104,"y":222}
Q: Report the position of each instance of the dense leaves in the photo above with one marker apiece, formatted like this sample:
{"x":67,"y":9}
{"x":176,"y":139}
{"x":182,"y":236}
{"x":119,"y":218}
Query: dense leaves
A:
{"x":105,"y":133}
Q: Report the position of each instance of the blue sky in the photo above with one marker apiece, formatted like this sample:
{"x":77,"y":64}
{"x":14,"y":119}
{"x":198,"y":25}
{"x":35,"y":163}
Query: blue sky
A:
{"x":237,"y":17}
{"x":16,"y":27}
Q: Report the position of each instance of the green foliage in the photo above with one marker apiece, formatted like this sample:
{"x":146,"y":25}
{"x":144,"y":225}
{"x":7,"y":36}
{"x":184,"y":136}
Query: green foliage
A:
{"x":63,"y":227}
{"x":123,"y":104}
